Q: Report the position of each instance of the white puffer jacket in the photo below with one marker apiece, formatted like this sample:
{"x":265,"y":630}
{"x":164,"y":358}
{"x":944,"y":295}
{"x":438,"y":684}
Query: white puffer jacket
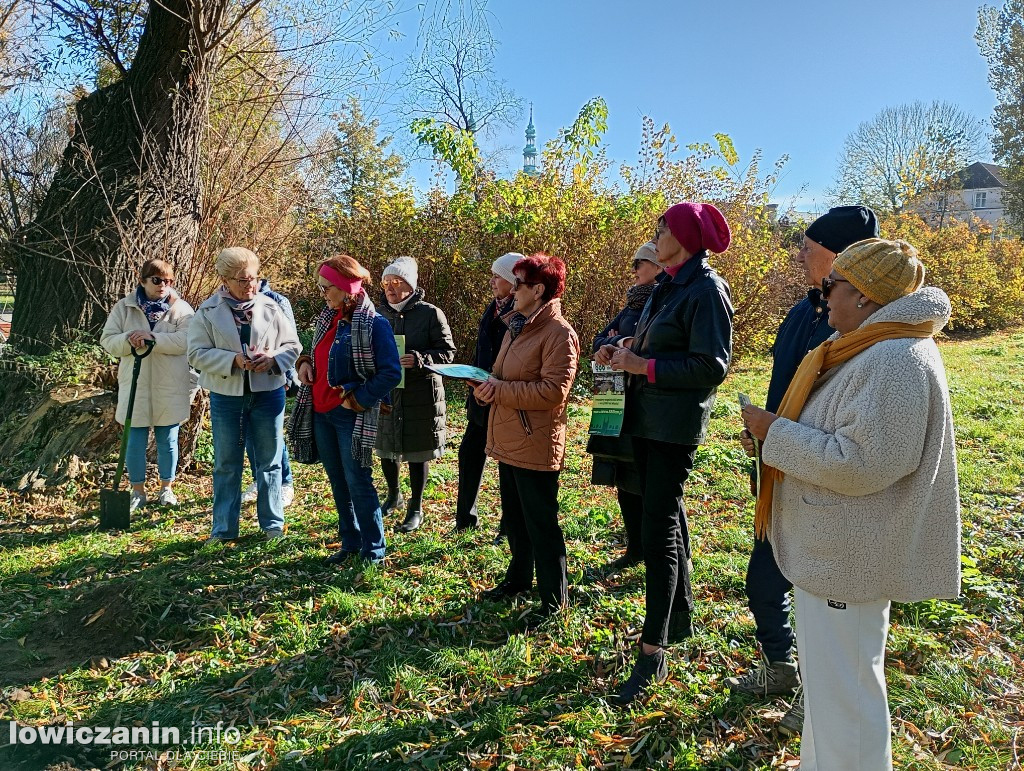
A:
{"x":162,"y":395}
{"x":869,"y":507}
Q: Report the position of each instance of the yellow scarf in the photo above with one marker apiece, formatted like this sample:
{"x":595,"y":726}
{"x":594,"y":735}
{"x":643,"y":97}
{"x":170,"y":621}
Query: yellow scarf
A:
{"x":827,"y":355}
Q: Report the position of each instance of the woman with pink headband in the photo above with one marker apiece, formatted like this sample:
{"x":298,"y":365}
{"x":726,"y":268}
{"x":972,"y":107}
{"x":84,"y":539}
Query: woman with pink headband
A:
{"x":354,"y":365}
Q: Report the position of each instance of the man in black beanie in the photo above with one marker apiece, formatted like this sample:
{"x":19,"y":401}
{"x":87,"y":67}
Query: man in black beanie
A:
{"x":805,"y":328}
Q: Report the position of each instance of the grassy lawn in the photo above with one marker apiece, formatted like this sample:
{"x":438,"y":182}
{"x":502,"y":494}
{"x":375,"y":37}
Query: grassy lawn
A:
{"x":402,"y":666}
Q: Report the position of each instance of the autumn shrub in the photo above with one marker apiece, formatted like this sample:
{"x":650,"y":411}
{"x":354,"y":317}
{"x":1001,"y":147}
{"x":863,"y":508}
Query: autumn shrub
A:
{"x":984,"y":277}
{"x":571,"y":210}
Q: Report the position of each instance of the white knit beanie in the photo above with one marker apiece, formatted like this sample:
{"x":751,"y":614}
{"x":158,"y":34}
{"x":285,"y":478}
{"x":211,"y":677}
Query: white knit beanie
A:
{"x":405,"y":268}
{"x":503,"y":266}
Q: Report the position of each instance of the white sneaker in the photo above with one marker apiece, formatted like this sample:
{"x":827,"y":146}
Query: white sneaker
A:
{"x":287,"y":495}
{"x":167,"y":497}
{"x":137,"y":501}
{"x":250,"y":494}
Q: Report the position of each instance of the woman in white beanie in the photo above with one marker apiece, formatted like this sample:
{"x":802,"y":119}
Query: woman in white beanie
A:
{"x":415,"y":429}
{"x":491,"y":333}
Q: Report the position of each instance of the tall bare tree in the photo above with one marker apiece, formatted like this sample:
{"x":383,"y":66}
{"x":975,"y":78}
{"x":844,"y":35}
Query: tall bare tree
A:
{"x":453,"y":75}
{"x":150,"y":171}
{"x":905,"y":151}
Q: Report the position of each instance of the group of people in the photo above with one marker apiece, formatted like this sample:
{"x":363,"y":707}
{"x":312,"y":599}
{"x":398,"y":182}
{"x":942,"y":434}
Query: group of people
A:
{"x":856,"y":495}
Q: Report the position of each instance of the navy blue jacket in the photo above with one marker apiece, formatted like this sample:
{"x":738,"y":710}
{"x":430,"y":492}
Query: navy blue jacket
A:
{"x":341,"y":370}
{"x":490,"y":335}
{"x":291,"y":376}
{"x":804,"y":328}
{"x":686,"y":327}
{"x":624,"y":324}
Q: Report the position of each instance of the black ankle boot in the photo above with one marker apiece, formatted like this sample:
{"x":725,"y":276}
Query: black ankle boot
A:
{"x":627,"y":560}
{"x":648,"y":669}
{"x":394,"y":501}
{"x":413,"y":519}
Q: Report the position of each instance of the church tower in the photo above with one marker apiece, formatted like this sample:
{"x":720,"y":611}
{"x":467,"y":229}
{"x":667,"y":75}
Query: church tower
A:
{"x":530,"y":151}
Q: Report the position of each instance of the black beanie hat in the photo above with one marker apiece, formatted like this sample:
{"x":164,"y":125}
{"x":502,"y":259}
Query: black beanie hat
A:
{"x":843,"y":226}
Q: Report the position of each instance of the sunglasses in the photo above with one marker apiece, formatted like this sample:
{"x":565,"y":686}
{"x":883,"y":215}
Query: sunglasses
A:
{"x":521,"y":282}
{"x":827,"y":284}
{"x":660,"y":228}
{"x":387,"y":283}
{"x":160,"y":281}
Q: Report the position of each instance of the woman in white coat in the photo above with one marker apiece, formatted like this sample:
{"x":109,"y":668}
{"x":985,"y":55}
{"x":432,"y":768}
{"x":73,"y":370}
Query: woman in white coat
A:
{"x":859,"y":494}
{"x":152,"y":312}
{"x":242,"y":343}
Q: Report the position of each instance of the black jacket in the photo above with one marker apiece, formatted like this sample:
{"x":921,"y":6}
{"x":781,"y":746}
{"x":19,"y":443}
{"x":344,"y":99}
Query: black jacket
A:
{"x":417,"y":422}
{"x":804,"y":328}
{"x":686,"y":327}
{"x":490,"y":335}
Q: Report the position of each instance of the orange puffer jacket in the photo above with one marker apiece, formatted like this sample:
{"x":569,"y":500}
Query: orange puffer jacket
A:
{"x":526,"y":427}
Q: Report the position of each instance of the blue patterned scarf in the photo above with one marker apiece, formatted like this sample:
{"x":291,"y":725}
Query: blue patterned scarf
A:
{"x":154,"y":309}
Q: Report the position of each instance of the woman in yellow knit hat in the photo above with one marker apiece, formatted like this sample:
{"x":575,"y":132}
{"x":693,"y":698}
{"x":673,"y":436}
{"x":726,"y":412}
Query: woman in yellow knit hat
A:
{"x":859,"y":493}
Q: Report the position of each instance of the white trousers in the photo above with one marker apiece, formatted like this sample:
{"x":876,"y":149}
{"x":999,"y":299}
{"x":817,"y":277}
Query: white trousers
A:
{"x":842,"y":665}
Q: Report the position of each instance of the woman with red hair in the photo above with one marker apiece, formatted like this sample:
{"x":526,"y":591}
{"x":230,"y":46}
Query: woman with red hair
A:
{"x":676,"y":359}
{"x":527,"y":393}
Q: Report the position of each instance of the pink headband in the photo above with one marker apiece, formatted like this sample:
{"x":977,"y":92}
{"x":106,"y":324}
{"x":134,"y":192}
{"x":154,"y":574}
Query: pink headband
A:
{"x":350,"y":285}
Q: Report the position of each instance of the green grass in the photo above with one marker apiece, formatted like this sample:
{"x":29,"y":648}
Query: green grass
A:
{"x":402,"y":666}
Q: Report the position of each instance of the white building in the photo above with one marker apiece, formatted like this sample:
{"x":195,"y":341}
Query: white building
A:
{"x":976,"y":193}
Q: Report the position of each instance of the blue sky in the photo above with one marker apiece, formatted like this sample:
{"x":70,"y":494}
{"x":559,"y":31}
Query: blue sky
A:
{"x":790,"y":77}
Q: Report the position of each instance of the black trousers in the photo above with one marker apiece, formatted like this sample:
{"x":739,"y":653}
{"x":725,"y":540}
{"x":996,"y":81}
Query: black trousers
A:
{"x":471,"y":473}
{"x":529,"y":506}
{"x":632,"y":507}
{"x":664,"y":468}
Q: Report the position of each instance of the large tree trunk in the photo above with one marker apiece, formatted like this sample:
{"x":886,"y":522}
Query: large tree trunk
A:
{"x":127,"y":189}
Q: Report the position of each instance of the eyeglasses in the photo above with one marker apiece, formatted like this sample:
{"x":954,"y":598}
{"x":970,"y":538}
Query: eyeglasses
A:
{"x":160,"y":281}
{"x":660,"y":228}
{"x":827,"y":284}
{"x":243,"y":280}
{"x":387,"y":283}
{"x":520,"y":282}
{"x":324,"y":287}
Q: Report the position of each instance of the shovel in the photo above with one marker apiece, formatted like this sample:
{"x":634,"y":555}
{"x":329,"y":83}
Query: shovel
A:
{"x":115,"y":505}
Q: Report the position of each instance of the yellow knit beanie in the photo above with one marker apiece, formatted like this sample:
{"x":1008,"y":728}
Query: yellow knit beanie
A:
{"x":882,"y":270}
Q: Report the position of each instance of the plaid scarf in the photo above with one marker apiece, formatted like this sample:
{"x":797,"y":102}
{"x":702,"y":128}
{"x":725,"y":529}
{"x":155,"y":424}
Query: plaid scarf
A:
{"x":300,"y":424}
{"x":364,"y":433}
{"x":154,"y":309}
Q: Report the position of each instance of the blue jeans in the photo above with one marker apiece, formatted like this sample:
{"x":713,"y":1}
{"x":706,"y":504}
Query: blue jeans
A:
{"x":768,"y":599}
{"x":286,"y":466}
{"x":360,"y":526}
{"x":261,"y":416}
{"x":166,"y":452}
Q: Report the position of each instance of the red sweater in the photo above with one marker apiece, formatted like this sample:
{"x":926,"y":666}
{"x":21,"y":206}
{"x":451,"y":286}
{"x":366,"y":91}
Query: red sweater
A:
{"x":325,"y":398}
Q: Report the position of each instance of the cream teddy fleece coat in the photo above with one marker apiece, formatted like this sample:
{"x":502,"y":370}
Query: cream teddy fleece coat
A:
{"x":869,"y":507}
